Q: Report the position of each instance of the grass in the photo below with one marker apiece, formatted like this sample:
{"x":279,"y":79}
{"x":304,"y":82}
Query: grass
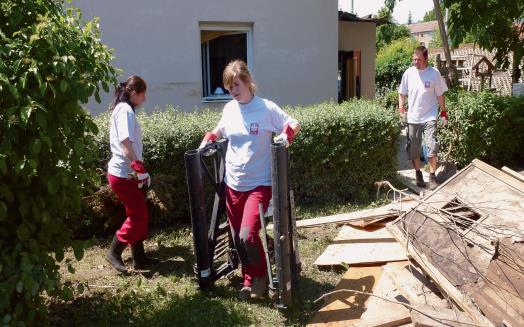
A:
{"x":168,"y":294}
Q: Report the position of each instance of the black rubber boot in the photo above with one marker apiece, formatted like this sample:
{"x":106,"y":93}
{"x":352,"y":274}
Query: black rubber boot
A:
{"x":140,"y":260}
{"x":420,"y":179}
{"x":114,"y":255}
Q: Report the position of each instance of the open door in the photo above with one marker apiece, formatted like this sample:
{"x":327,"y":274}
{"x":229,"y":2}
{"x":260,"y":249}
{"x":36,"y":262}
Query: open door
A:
{"x":349,"y":72}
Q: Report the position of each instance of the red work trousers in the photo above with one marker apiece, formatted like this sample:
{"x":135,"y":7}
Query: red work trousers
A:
{"x":135,"y":227}
{"x":244,"y":219}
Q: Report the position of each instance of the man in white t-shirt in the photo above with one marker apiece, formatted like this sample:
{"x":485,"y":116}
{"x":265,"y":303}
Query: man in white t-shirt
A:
{"x":424,"y":87}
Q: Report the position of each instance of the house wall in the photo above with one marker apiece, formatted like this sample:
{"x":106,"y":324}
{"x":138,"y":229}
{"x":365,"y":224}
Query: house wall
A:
{"x":294,"y":46}
{"x":361,"y":35}
{"x":424,"y":38}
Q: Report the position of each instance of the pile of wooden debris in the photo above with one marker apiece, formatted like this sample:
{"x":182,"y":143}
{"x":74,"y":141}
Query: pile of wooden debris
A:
{"x":452,"y":258}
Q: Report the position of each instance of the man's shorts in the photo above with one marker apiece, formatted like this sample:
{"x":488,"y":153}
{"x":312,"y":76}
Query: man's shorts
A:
{"x":416,"y":132}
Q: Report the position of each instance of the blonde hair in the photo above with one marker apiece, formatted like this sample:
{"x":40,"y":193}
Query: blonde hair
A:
{"x":238,"y":68}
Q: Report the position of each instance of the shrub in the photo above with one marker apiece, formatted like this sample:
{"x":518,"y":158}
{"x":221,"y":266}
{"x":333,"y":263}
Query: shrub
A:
{"x":392,"y":60}
{"x":485,"y":126}
{"x":49,"y":61}
{"x":340,"y":152}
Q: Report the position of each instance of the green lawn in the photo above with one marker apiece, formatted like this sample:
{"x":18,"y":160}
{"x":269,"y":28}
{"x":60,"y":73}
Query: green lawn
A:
{"x":168,"y":294}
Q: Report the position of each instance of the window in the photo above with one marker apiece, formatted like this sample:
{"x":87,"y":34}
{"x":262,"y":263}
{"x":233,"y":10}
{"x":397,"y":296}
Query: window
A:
{"x":464,"y":215}
{"x":221,"y":44}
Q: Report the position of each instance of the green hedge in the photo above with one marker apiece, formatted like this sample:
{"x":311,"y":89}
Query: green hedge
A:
{"x":392,"y":61}
{"x":341,"y":151}
{"x":485,"y":126}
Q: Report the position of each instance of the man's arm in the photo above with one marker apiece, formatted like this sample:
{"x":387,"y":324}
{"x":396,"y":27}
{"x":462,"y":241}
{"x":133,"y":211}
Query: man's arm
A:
{"x":401,"y":102}
{"x":442,"y":102}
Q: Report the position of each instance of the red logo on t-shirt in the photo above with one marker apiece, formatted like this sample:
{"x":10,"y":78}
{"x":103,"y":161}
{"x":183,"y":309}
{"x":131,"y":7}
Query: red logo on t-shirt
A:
{"x":426,"y":84}
{"x":253,"y":129}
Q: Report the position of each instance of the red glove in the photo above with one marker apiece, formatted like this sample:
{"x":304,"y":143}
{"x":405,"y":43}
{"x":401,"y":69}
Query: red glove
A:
{"x":444,"y":117}
{"x":138,"y":167}
{"x":289,"y":132}
{"x":208,"y":138}
{"x":141,"y":173}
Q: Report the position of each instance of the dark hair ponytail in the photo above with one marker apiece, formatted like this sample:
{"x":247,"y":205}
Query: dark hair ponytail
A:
{"x":123,"y":90}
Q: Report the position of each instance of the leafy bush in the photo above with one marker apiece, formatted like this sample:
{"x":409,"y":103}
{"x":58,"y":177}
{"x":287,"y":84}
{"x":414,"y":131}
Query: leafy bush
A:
{"x":340,"y":152}
{"x":49,"y":61}
{"x":485,"y":126}
{"x":389,"y":100}
{"x":392,"y":61}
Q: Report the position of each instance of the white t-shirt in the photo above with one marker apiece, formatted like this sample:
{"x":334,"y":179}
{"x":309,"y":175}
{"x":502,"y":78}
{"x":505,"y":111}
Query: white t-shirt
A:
{"x":123,"y":124}
{"x":249,"y":128}
{"x":422,"y":88}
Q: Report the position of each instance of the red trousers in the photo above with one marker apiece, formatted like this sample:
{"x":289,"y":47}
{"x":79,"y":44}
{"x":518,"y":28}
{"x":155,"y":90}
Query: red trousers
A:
{"x":135,"y":227}
{"x":243,"y":215}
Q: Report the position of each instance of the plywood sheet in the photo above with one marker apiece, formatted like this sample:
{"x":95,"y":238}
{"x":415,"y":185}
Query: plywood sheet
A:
{"x":354,"y":246}
{"x":347,"y":309}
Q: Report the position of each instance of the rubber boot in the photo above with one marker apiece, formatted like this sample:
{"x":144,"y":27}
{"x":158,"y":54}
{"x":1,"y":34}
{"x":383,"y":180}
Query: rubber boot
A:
{"x":114,"y":255}
{"x":420,"y":179}
{"x":140,"y":260}
{"x":259,"y":288}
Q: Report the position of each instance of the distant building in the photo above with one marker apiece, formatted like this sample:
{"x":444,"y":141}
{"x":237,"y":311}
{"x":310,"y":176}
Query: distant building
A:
{"x":423,"y":32}
{"x":181,"y":48}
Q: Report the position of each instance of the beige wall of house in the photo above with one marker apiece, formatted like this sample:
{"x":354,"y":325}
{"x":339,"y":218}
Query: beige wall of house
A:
{"x":294,"y":46}
{"x":361,"y":36}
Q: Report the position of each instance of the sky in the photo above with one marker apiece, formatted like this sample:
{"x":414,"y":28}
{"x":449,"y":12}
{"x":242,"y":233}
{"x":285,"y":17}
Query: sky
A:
{"x":402,"y":8}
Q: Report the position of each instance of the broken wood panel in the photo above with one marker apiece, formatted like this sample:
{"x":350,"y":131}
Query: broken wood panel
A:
{"x":361,"y":253}
{"x":456,"y":295}
{"x":431,"y":316}
{"x":413,"y":285}
{"x":501,"y":293}
{"x":349,"y":309}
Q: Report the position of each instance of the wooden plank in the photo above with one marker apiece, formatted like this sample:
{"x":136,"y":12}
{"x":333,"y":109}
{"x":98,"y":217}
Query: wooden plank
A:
{"x":413,"y":285}
{"x":391,"y":210}
{"x":348,"y":309}
{"x":359,"y":246}
{"x":356,"y":235}
{"x":342,"y":309}
{"x":381,"y":313}
{"x":439,"y":317}
{"x":513,"y":173}
{"x":461,"y":299}
{"x":511,"y":181}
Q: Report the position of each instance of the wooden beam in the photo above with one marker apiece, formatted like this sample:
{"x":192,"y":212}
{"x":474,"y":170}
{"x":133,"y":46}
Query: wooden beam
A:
{"x":513,"y":173}
{"x":391,"y":210}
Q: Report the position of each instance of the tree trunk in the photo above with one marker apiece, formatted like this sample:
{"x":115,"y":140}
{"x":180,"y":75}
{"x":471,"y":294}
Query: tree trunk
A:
{"x":444,"y":37}
{"x":515,"y":71}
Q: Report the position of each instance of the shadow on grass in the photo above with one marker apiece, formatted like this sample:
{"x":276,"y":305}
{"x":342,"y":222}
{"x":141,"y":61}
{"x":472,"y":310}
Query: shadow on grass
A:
{"x":303,"y":309}
{"x":151,"y":309}
{"x":167,"y":265}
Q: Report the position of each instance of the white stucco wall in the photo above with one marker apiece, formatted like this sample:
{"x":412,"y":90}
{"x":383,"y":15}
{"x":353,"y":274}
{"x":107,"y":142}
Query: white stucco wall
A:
{"x":361,"y":35}
{"x":294,"y":46}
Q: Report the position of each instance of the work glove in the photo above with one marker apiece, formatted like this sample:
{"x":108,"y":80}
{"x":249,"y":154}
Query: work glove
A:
{"x":142,"y":175}
{"x":208,"y":139}
{"x":286,"y":137}
{"x":443,"y":118}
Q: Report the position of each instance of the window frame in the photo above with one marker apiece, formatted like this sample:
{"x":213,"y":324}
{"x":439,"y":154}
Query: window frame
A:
{"x":244,"y":28}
